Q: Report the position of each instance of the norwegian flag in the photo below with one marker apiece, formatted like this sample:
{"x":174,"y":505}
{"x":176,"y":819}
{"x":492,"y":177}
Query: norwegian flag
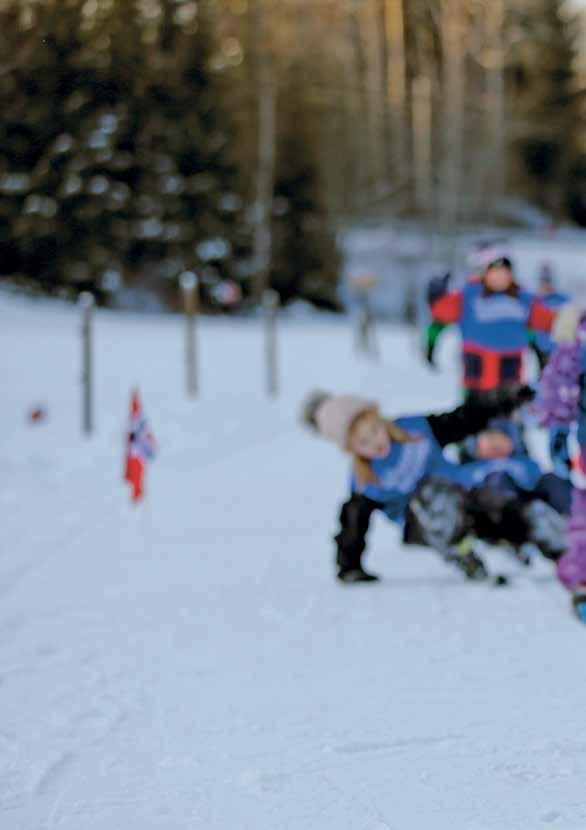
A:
{"x":140,"y":448}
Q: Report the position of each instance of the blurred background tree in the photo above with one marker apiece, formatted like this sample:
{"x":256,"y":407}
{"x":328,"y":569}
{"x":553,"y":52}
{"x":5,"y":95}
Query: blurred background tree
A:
{"x":116,"y":151}
{"x":140,"y":138}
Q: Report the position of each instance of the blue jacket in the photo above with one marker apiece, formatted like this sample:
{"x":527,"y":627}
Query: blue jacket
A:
{"x":519,"y":466}
{"x":406,"y":465}
{"x":496,"y":331}
{"x":496,"y":322}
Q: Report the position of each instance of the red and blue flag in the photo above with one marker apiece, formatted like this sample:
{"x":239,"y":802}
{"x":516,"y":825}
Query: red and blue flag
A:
{"x":140,"y":448}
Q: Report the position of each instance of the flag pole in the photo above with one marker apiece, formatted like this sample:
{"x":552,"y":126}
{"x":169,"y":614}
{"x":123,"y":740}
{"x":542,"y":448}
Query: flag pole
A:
{"x":189,"y":285}
{"x":86,"y":301}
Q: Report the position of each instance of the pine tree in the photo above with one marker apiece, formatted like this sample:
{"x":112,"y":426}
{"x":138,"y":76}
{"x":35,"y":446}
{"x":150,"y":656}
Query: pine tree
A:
{"x":544,"y":118}
{"x":306,"y":260}
{"x":117,"y":152}
{"x":43,"y":87}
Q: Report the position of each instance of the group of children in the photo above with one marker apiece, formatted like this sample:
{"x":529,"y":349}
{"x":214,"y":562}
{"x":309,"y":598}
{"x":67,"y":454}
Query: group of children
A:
{"x":495,"y":492}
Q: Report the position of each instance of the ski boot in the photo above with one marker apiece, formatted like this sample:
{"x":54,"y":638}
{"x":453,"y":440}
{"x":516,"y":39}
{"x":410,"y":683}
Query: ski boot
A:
{"x":353,"y":576}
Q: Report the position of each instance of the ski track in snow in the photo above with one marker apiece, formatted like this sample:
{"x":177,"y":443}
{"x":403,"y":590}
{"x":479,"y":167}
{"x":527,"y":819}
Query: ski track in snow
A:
{"x":192,"y":664}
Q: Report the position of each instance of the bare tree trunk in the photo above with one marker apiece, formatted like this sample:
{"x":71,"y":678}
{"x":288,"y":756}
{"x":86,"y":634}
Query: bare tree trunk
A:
{"x":376,"y":85}
{"x":387,"y":130}
{"x":422,"y":145}
{"x":359,"y":84}
{"x":349,"y":100}
{"x":452,"y":28}
{"x":397,"y":87}
{"x":495,"y":93}
{"x":266,"y":150}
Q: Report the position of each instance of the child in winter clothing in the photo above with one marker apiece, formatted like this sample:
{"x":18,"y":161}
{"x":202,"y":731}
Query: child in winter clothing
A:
{"x":562,"y":403}
{"x":510,"y":468}
{"x":552,"y":298}
{"x":544,"y":345}
{"x":400,"y":469}
{"x":496,"y":317}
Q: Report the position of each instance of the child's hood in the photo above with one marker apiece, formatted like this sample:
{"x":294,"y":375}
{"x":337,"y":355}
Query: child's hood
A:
{"x":508,"y":427}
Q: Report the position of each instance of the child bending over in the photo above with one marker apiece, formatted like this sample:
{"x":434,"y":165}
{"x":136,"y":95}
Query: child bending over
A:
{"x":399,"y":468}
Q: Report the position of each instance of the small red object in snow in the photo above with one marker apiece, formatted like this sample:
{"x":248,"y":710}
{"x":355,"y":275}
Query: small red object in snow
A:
{"x":37,"y":415}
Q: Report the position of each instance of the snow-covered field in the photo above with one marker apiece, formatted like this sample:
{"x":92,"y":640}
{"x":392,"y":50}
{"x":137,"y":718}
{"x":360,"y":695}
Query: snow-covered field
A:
{"x":193,"y":664}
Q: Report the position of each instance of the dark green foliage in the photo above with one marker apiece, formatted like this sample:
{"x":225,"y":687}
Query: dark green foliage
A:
{"x":114,"y":150}
{"x":305,"y":256}
{"x":544,"y":117}
{"x":577,"y":191}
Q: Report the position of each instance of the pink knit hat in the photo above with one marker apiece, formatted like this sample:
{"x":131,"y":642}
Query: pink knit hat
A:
{"x":488,"y":254}
{"x":333,"y":415}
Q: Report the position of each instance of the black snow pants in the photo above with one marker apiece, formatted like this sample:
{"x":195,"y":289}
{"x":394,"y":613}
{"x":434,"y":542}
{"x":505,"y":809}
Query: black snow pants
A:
{"x":441,"y":513}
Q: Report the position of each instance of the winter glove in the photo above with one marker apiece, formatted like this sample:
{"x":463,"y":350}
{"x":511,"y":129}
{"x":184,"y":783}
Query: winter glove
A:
{"x":433,"y":332}
{"x":508,"y":399}
{"x":438,"y":288}
{"x":565,"y":327}
{"x":429,"y":355}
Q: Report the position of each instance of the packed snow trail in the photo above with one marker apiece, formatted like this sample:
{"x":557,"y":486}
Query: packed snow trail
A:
{"x":193,"y":664}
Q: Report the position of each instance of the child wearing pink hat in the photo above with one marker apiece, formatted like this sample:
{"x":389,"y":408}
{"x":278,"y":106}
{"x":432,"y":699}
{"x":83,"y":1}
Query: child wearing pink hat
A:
{"x":399,"y":468}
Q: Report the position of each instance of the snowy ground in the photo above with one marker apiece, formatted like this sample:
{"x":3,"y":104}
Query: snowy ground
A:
{"x":194,"y":665}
